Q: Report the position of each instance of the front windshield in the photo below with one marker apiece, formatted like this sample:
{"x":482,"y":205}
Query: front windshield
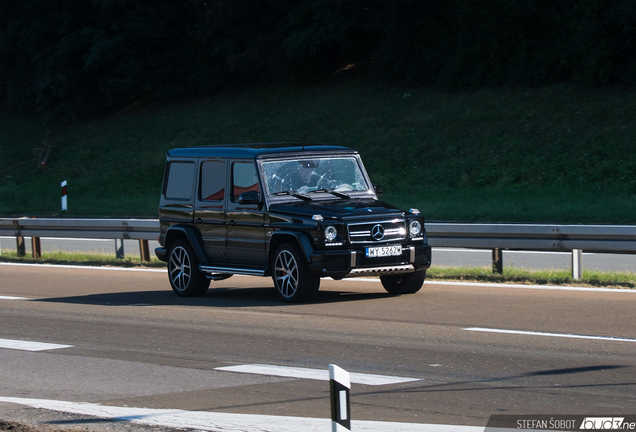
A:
{"x":340,"y":174}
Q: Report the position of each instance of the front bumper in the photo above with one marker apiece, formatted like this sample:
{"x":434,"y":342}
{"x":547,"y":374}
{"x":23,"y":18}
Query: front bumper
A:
{"x":353,"y":262}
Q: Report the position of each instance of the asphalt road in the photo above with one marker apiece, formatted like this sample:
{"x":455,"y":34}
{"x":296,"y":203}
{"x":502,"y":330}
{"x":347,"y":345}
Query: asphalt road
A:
{"x":129,"y":343}
{"x":441,"y":256}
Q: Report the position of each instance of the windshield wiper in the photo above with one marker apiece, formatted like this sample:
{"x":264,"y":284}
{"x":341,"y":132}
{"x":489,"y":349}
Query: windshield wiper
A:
{"x":294,"y":194}
{"x":333,"y":192}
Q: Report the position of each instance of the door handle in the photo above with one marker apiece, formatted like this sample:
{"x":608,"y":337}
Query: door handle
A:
{"x":198,"y":221}
{"x":231,"y":222}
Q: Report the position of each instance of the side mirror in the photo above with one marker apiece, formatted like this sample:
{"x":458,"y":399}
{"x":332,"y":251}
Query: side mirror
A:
{"x":378,"y":190}
{"x":250,"y":197}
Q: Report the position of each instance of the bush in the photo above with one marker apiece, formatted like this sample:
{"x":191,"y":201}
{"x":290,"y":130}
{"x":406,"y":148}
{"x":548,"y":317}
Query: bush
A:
{"x":77,"y":58}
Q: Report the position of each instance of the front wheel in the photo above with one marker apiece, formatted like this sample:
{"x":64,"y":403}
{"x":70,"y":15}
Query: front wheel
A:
{"x":407,"y":283}
{"x":293,"y":280}
{"x":183,"y":271}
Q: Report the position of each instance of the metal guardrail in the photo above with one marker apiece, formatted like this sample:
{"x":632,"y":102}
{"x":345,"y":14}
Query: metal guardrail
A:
{"x":497,"y":237}
{"x":118,"y":229}
{"x":136,"y":229}
{"x":593,"y":238}
{"x":536,"y":237}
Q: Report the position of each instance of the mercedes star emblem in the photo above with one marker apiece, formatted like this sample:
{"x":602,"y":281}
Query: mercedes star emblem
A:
{"x":377,"y":232}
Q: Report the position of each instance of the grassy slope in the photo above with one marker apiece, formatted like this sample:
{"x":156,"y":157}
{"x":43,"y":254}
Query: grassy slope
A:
{"x":556,"y":154}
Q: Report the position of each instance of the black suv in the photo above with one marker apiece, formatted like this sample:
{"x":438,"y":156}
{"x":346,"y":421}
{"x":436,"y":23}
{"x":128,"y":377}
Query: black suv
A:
{"x":293,"y":212}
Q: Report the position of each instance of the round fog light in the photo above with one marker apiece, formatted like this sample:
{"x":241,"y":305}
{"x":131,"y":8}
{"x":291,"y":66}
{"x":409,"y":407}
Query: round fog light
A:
{"x":415,"y":228}
{"x":330,"y":233}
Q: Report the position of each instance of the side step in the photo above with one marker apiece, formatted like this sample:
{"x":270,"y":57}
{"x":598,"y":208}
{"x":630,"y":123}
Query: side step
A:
{"x":232,"y":270}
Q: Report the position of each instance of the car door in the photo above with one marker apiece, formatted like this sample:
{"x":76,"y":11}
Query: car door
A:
{"x":245,"y":223}
{"x":209,"y":213}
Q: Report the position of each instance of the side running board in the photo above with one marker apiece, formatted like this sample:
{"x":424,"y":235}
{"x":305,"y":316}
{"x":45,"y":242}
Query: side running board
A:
{"x":232,"y":270}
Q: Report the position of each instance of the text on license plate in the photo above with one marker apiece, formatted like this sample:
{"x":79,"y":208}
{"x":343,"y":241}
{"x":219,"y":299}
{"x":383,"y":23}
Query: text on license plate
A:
{"x":383,"y":251}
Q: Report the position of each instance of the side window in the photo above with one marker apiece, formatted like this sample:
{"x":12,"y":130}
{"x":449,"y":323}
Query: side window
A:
{"x":244,"y":179}
{"x":180,"y":180}
{"x":212,"y":186}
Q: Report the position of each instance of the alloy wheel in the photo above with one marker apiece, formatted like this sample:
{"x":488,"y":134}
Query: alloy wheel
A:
{"x":286,"y":270}
{"x":180,"y":268}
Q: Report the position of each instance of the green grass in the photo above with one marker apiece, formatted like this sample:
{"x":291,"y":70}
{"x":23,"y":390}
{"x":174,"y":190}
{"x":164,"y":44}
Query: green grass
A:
{"x":535,"y":277}
{"x":559,"y":154}
{"x":81,"y":258}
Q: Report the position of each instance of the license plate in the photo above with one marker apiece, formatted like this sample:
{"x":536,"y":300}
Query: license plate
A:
{"x":384,"y":251}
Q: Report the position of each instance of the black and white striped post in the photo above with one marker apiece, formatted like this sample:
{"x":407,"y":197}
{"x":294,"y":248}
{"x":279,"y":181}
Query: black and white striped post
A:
{"x":64,"y":201}
{"x":340,"y":388}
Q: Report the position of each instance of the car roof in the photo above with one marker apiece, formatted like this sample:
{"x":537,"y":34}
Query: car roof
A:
{"x":259,"y":150}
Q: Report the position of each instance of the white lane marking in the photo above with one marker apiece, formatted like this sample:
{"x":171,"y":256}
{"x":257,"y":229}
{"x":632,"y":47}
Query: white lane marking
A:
{"x":314,"y":374}
{"x":560,"y":335}
{"x":80,"y":267}
{"x":533,"y":287}
{"x":29,"y":345}
{"x":503,"y":285}
{"x":12,"y":298}
{"x":428,"y":282}
{"x":215,"y":421}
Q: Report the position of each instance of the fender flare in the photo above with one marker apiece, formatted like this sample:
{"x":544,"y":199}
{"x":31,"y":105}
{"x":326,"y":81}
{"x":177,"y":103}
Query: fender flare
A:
{"x":192,"y":235}
{"x":301,"y":240}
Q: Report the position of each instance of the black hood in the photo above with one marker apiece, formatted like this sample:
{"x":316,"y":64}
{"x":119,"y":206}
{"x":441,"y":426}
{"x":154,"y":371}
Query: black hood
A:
{"x":338,"y":209}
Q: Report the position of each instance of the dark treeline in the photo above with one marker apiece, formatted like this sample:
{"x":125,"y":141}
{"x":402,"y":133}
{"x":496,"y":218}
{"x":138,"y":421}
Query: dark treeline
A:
{"x":83,"y":57}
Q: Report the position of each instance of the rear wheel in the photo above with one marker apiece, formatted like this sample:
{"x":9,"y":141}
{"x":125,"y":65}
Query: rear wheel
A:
{"x":183,"y":271}
{"x":293,"y":280}
{"x":407,"y":283}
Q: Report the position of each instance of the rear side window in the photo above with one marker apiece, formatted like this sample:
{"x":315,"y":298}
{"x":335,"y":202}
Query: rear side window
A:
{"x":244,"y":179}
{"x":212,"y":181}
{"x":180,"y":180}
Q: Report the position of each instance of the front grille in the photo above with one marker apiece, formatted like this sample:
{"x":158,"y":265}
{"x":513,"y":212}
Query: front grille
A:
{"x":377,"y":231}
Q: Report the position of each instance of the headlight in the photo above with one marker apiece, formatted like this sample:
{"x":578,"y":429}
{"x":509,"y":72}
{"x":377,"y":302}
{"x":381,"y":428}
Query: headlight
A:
{"x":331,"y":233}
{"x":415,"y":228}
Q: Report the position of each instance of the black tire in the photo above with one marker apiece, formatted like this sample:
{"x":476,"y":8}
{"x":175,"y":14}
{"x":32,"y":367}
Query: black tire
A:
{"x":407,"y":283}
{"x":183,"y":271}
{"x":293,"y":280}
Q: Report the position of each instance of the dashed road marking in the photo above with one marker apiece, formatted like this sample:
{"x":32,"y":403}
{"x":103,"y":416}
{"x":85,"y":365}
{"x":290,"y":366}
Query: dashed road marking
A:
{"x":314,"y":374}
{"x":22,"y":345}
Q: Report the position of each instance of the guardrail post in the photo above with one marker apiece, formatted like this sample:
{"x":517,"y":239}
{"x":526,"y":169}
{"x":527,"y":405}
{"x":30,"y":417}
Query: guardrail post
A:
{"x":36,"y":247}
{"x":144,"y":250}
{"x":19,"y":241}
{"x":497,"y":261}
{"x":119,"y":248}
{"x":577,"y":264}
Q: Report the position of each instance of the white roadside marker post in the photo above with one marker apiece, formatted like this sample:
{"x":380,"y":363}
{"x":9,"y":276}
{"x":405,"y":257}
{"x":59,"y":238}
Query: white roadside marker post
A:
{"x":340,"y":389}
{"x":577,"y":264}
{"x":64,"y":202}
